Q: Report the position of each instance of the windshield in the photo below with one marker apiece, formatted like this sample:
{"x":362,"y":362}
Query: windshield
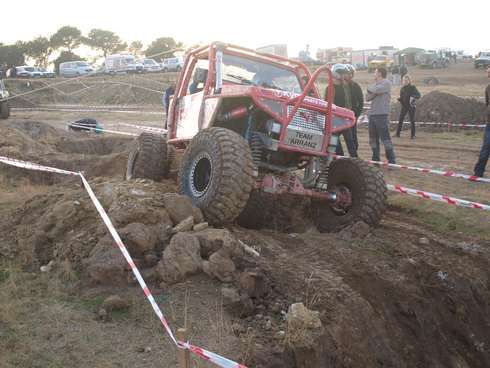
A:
{"x":129,"y":60}
{"x":240,"y":70}
{"x":82,"y":64}
{"x":30,"y":69}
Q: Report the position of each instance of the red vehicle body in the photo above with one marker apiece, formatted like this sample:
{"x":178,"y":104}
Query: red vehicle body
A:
{"x":249,"y":122}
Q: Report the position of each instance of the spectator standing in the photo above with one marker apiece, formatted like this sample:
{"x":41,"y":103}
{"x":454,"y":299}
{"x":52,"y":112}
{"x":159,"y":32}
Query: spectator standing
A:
{"x":166,"y":100}
{"x":357,"y":100}
{"x":403,"y":70}
{"x":485,"y":149}
{"x":379,"y":94}
{"x":395,"y":75}
{"x":342,"y":98}
{"x":409,"y":94}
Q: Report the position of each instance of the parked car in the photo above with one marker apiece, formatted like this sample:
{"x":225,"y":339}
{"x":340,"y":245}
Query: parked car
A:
{"x":483,"y":60}
{"x":75,"y":68}
{"x":45,"y":73}
{"x":122,"y":63}
{"x":173,"y":64}
{"x":150,"y":66}
{"x":27,"y":72}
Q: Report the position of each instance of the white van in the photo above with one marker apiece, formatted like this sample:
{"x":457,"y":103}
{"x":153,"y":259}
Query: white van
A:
{"x":173,"y":64}
{"x":75,"y":68}
{"x":122,"y":63}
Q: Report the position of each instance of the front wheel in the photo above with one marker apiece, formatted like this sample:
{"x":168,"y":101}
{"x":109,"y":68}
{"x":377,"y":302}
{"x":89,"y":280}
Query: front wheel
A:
{"x":217,"y":174}
{"x":365,"y":188}
{"x":4,"y":110}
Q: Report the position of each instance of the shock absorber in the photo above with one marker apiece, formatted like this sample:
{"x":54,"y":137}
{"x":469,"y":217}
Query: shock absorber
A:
{"x":256,"y":146}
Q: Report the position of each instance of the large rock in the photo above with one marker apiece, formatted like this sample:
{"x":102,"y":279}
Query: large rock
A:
{"x":212,"y":240}
{"x":107,"y":266}
{"x":139,"y":238}
{"x":123,"y":213}
{"x":115,"y":302}
{"x":220,"y":266}
{"x":255,"y":284}
{"x":184,"y":225}
{"x":181,"y":258}
{"x":179,"y":207}
{"x":303,"y":326}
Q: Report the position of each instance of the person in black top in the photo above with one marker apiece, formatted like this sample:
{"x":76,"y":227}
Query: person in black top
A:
{"x":409,"y":95}
{"x":485,"y":148}
{"x":342,"y":98}
{"x":357,"y":99}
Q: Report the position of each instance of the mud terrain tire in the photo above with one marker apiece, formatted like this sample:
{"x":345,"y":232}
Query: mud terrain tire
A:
{"x":368,"y":191}
{"x":149,"y":158}
{"x":4,"y":110}
{"x":217,"y":174}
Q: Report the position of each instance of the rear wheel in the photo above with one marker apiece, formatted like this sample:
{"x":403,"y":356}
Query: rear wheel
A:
{"x":217,"y":174}
{"x":149,"y":158}
{"x":365,"y":188}
{"x":4,"y":110}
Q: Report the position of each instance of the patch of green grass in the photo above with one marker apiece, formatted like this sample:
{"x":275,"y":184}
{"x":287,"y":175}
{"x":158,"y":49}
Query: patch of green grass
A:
{"x":4,"y":275}
{"x":444,"y":219}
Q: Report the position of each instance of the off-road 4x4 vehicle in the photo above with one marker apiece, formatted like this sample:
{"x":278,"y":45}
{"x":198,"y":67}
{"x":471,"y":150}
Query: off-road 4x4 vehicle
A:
{"x":4,"y":105}
{"x":250,"y":123}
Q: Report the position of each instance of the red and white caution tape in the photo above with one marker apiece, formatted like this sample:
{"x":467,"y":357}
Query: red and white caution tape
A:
{"x":202,"y":353}
{"x":101,"y":130}
{"x":449,"y":125}
{"x":147,"y":128}
{"x":449,"y":174}
{"x":31,"y":166}
{"x":438,"y":197}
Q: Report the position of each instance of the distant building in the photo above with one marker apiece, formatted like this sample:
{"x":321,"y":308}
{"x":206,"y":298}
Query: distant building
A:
{"x":335,"y":55}
{"x":277,"y":49}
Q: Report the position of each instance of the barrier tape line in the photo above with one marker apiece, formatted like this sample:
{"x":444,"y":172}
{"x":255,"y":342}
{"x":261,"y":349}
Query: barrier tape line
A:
{"x":102,"y":130}
{"x":200,"y":352}
{"x":150,"y":129}
{"x":449,"y":174}
{"x":438,"y":197}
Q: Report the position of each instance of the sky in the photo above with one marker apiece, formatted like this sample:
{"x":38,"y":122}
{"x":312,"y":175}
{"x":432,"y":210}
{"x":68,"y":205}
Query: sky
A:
{"x":364,"y":24}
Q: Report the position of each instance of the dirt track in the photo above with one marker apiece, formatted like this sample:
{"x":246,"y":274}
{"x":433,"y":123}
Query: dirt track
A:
{"x":413,"y":292}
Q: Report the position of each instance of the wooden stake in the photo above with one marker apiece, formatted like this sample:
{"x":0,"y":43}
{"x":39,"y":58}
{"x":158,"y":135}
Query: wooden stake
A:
{"x":183,"y":356}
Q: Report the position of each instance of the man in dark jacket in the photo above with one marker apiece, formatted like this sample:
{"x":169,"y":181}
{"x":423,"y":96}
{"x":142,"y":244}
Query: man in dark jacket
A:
{"x":409,"y":94}
{"x":357,"y":99}
{"x":342,"y":98}
{"x":485,"y":149}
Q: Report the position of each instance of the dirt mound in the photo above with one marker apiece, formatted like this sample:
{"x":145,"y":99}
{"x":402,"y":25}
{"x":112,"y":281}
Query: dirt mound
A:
{"x":96,"y":155}
{"x":443,"y":107}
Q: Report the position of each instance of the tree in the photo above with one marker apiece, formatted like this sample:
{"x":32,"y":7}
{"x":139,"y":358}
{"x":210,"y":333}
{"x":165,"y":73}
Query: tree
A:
{"x":106,"y":41}
{"x":135,"y":47}
{"x":67,"y":37}
{"x":65,"y":56}
{"x":39,"y":49}
{"x":158,"y":48}
{"x":12,"y":54}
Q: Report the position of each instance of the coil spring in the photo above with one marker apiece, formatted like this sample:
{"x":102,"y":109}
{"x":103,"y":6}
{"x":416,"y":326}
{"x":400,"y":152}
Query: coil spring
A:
{"x":256,"y":146}
{"x":322,"y":182}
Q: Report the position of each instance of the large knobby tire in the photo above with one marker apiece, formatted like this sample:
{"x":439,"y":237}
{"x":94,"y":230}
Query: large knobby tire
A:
{"x":4,"y":110}
{"x":368,"y":190}
{"x":216,"y":172}
{"x":149,"y":158}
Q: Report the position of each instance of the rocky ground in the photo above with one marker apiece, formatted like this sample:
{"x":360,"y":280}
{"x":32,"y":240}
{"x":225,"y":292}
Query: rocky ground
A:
{"x":404,"y":294}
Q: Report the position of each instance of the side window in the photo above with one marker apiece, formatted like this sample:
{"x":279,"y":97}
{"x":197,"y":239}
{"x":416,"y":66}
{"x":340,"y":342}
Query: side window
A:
{"x":198,"y":78}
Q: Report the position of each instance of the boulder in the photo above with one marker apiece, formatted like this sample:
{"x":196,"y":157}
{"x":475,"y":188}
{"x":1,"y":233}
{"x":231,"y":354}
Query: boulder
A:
{"x":107,"y":266}
{"x":115,"y":302}
{"x":212,"y":240}
{"x":255,"y":284}
{"x":139,"y":238}
{"x":179,"y":207}
{"x":303,"y":327}
{"x":184,"y":225}
{"x":220,"y":266}
{"x":181,"y":258}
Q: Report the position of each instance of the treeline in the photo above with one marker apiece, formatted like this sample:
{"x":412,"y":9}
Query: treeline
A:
{"x":67,"y":39}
